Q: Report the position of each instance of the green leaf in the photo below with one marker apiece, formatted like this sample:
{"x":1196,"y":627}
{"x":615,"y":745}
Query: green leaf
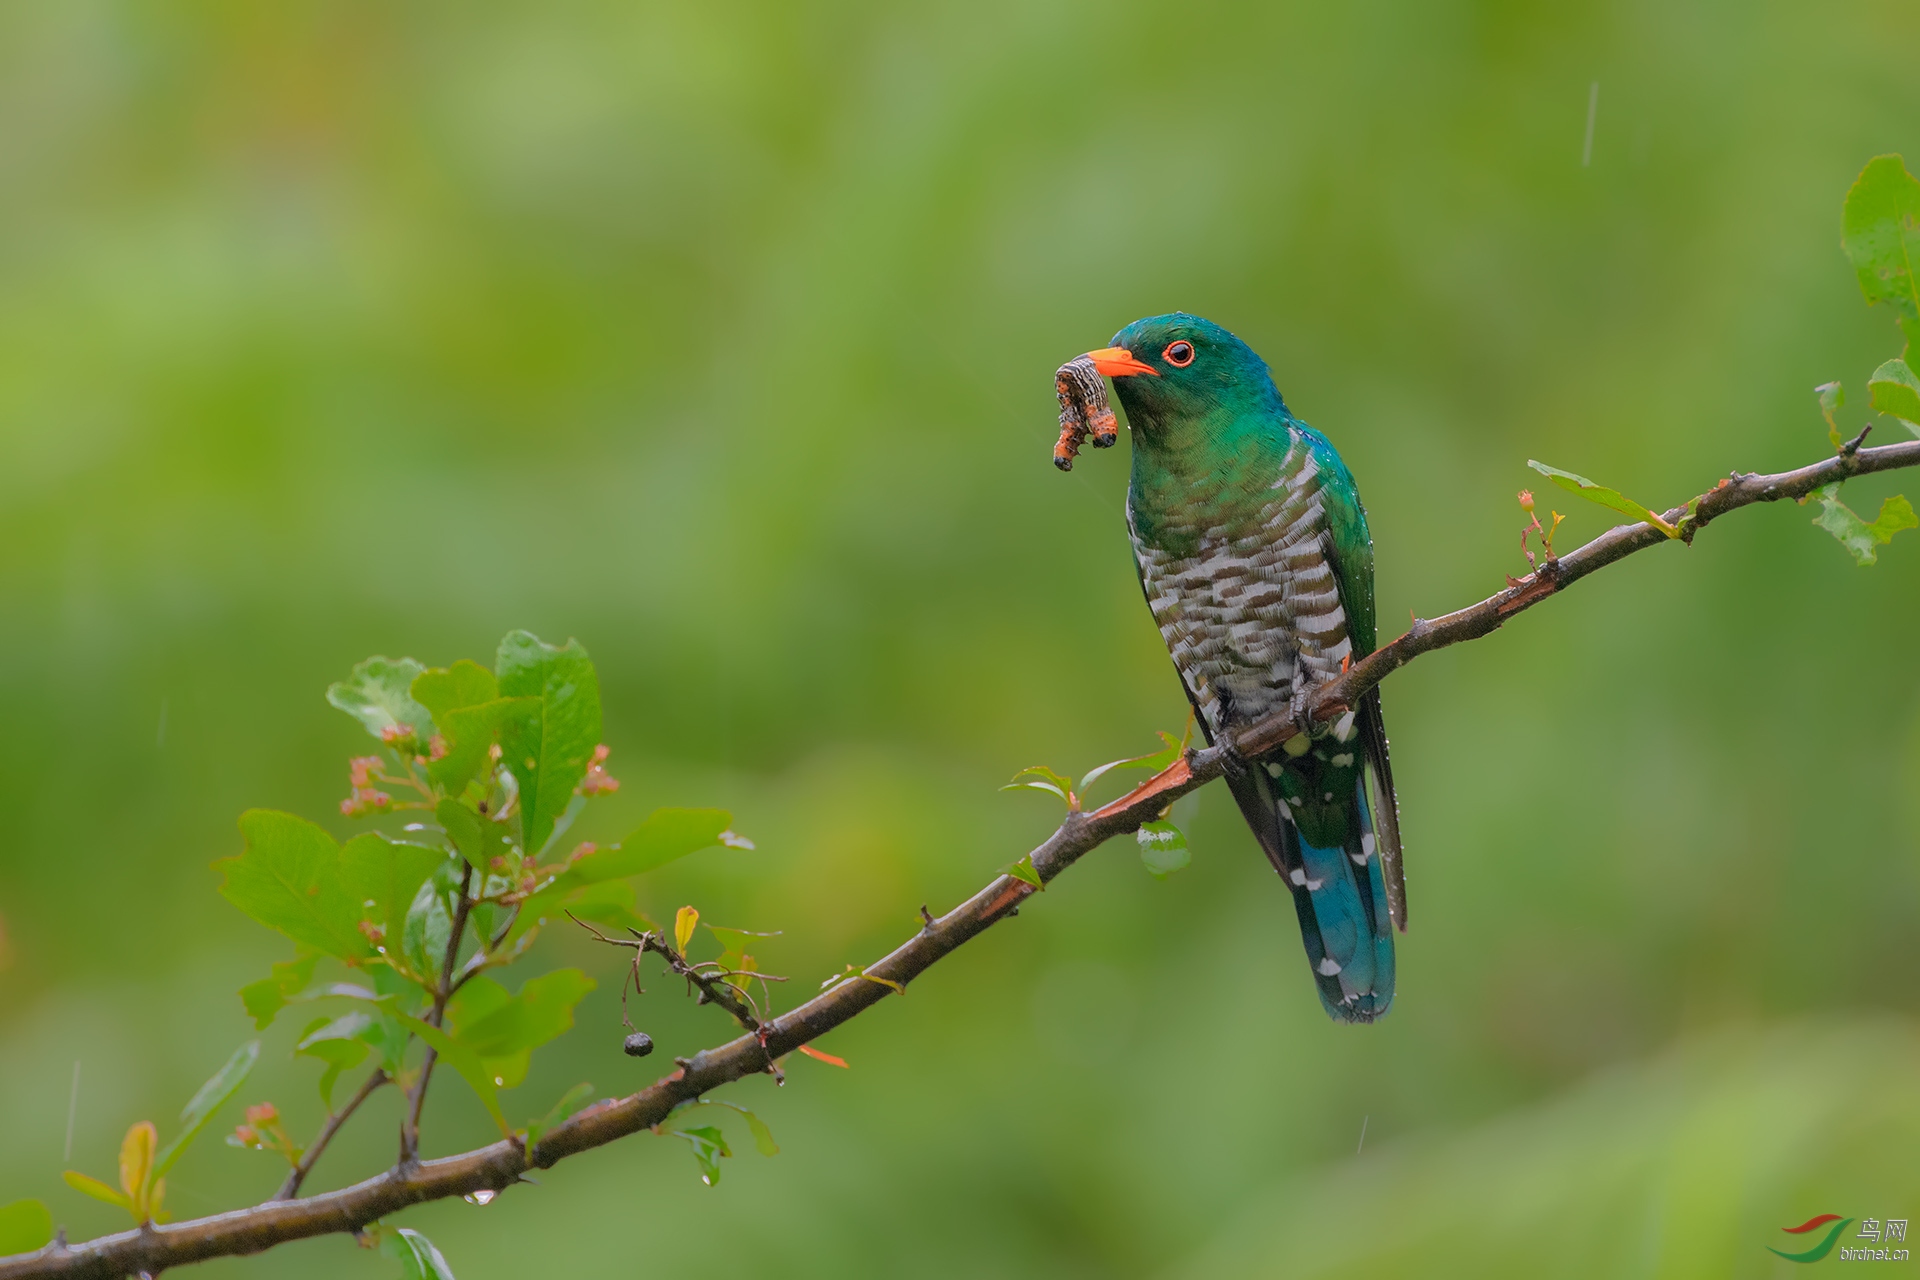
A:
{"x":1896,"y":391}
{"x":503,"y":1030}
{"x":610,"y":903}
{"x":428,"y":926}
{"x":1045,"y":780}
{"x":1832,"y":396}
{"x":266,"y":998}
{"x":667,"y":835}
{"x":469,"y":733}
{"x":384,"y":877}
{"x":1163,"y":848}
{"x":762,"y":1136}
{"x":1610,"y":498}
{"x":1155,"y":761}
{"x":477,"y":839}
{"x":709,"y":1148}
{"x":547,"y":752}
{"x":570,"y":1103}
{"x":341,"y":1043}
{"x":288,"y":878}
{"x":543,"y":1011}
{"x":1881,"y":230}
{"x":97,"y":1189}
{"x":1855,"y":534}
{"x":418,"y":1259}
{"x":443,"y":690}
{"x":25,"y":1225}
{"x":476,"y":1000}
{"x":212,"y":1096}
{"x":1023,"y":870}
{"x":378,"y":695}
{"x":463,"y":1060}
{"x":736,"y":940}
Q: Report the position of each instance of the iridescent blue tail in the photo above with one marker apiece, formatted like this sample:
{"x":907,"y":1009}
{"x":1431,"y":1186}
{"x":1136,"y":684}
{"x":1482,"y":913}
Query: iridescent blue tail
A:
{"x":1327,"y":821}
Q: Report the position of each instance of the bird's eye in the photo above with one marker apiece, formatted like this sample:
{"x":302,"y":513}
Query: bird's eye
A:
{"x":1178,"y":354}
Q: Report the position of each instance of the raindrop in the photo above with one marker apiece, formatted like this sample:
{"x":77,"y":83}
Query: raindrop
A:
{"x":481,"y":1197}
{"x":415,"y":826}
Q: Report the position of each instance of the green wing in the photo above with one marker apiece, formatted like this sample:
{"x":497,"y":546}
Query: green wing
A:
{"x":1349,"y":550}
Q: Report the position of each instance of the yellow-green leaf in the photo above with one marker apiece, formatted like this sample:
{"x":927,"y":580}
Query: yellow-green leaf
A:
{"x":25,"y":1225}
{"x":136,"y":1166}
{"x":1856,"y":535}
{"x":683,"y":922}
{"x":97,"y":1189}
{"x":1895,"y":390}
{"x":1612,"y":499}
{"x":1023,"y":871}
{"x":1832,"y":396}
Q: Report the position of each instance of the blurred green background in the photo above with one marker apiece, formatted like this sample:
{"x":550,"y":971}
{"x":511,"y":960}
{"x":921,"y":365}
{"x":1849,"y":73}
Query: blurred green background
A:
{"x":721,"y":337}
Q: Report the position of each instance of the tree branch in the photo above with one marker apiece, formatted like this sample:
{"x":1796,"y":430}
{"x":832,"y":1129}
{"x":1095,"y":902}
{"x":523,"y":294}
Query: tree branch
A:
{"x":501,"y":1164}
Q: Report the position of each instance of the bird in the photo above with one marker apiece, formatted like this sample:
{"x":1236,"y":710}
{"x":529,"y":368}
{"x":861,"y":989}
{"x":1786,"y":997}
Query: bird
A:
{"x":1257,"y":565}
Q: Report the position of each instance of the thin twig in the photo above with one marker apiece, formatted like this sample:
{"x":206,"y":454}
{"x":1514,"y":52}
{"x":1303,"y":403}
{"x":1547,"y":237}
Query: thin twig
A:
{"x":722,"y":993}
{"x":298,"y":1174}
{"x":501,"y":1164}
{"x":443,"y":991}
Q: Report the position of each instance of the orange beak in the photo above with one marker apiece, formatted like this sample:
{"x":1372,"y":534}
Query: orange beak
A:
{"x":1118,"y":362}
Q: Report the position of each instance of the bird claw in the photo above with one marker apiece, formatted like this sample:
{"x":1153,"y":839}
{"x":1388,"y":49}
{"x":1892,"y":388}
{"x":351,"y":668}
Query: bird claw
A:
{"x":1233,"y":764}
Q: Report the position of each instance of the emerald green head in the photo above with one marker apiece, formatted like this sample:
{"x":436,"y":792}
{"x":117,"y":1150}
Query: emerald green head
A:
{"x":1176,"y":370}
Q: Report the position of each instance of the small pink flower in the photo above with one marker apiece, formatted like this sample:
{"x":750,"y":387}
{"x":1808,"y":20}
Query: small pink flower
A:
{"x":598,"y":781}
{"x":262,"y":1113}
{"x":436,"y":748}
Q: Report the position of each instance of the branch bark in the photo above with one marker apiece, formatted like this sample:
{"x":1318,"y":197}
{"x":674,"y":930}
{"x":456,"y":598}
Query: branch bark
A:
{"x":500,"y":1165}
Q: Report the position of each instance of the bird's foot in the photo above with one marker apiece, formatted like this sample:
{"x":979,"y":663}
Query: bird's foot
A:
{"x":1233,"y":764}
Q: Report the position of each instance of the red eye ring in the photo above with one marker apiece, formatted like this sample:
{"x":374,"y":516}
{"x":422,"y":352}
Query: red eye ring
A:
{"x":1178,"y":354}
